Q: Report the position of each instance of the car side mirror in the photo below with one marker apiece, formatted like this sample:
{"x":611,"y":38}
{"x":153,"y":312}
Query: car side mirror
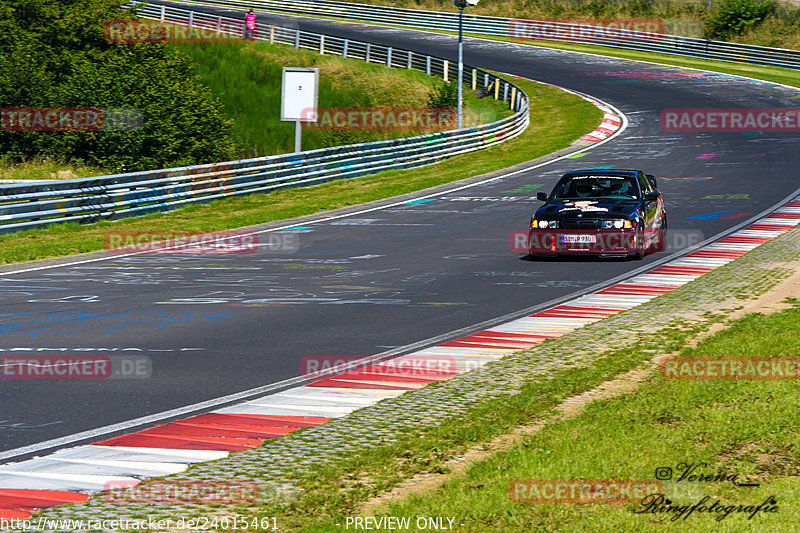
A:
{"x":652,"y":180}
{"x":541,"y":196}
{"x":651,"y":196}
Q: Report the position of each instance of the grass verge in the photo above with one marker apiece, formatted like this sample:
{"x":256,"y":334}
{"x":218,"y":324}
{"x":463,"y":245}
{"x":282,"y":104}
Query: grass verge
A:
{"x":247,"y":79}
{"x":560,"y":119}
{"x":741,"y":431}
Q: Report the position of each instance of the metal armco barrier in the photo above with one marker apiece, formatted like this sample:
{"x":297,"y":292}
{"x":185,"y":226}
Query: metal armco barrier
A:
{"x":110,"y":197}
{"x":529,"y":29}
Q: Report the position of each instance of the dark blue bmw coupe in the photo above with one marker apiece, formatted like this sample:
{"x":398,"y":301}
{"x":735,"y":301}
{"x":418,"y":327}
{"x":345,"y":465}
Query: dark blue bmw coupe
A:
{"x":605,"y":212}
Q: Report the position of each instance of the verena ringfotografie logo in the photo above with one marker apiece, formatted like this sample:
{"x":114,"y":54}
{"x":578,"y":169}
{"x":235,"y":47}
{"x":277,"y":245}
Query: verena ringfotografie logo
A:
{"x":735,"y":368}
{"x":70,"y":119}
{"x":582,"y":490}
{"x":587,"y":29}
{"x":75,"y":367}
{"x":150,"y":31}
{"x":184,"y":242}
{"x":773,"y":120}
{"x":379,"y":119}
{"x":181,"y":492}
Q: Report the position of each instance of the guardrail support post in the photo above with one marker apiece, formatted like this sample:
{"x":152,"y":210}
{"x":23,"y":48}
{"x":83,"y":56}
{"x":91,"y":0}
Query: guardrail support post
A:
{"x":163,"y":13}
{"x":408,"y":63}
{"x":271,"y":34}
{"x":505,"y":92}
{"x":446,"y":70}
{"x":322,"y":45}
{"x":366,"y":55}
{"x":344,"y":48}
{"x":389,"y":57}
{"x":513,"y":96}
{"x":497,"y":88}
{"x":219,"y":25}
{"x":191,"y":18}
{"x":428,"y":65}
{"x":297,"y":39}
{"x":474,"y":79}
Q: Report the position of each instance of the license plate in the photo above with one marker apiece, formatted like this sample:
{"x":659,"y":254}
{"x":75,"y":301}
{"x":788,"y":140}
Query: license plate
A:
{"x":582,"y":239}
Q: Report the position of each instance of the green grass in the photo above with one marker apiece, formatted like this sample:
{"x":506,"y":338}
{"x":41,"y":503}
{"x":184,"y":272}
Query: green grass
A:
{"x":747,"y":428}
{"x":560,"y":119}
{"x":42,"y":168}
{"x":332,"y":493}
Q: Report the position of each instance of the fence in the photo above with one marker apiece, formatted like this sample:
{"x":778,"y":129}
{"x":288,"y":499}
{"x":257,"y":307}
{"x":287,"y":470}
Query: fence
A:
{"x":530,"y":29}
{"x":88,"y":200}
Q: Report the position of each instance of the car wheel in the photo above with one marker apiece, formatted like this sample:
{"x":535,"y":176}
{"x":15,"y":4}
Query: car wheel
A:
{"x":639,"y":253}
{"x":661,"y":243}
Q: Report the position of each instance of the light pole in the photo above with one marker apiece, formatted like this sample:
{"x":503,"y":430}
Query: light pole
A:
{"x":461,"y":4}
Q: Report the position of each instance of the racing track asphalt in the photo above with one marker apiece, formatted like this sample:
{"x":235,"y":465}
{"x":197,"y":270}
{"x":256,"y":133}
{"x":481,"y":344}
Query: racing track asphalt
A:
{"x":366,"y":283}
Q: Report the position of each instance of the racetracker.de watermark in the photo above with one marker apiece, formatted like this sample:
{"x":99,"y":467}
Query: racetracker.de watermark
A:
{"x":75,"y":367}
{"x":674,"y":240}
{"x":185,"y":242}
{"x":379,"y":118}
{"x":583,"y":30}
{"x":181,"y":492}
{"x":70,"y":119}
{"x":730,"y":368}
{"x":582,"y":490}
{"x":150,"y":31}
{"x":419,"y":366}
{"x":773,"y":120}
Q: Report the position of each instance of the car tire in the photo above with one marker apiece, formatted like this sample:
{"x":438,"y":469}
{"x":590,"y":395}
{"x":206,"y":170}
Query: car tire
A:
{"x":661,"y":243}
{"x":639,"y":253}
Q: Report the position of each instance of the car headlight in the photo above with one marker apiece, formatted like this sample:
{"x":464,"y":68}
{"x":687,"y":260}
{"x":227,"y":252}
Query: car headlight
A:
{"x":615,"y":224}
{"x":544,"y":224}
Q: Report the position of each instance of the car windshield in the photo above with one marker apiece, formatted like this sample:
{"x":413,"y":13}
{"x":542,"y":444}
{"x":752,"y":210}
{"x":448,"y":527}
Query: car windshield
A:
{"x":596,"y":187}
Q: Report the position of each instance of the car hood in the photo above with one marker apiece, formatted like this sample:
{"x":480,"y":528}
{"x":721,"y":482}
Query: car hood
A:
{"x":588,"y":209}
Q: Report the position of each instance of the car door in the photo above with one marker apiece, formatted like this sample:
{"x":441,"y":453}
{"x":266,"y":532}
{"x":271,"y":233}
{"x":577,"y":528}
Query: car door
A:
{"x":651,"y":208}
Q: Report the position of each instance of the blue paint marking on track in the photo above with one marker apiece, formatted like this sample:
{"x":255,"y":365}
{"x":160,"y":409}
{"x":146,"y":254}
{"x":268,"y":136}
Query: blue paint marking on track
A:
{"x":713,"y":216}
{"x":128,"y":321}
{"x":296,"y":228}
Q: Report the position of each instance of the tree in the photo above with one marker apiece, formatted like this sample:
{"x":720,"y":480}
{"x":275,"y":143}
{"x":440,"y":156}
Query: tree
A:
{"x":53,"y":54}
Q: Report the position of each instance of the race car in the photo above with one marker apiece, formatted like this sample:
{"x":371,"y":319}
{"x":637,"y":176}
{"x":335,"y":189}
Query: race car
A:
{"x":605,"y":212}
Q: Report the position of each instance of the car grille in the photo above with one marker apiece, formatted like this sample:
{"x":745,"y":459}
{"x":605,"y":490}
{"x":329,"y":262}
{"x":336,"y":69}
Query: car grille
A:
{"x":578,"y":224}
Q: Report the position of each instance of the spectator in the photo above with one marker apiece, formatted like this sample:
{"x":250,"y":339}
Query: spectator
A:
{"x":250,"y":25}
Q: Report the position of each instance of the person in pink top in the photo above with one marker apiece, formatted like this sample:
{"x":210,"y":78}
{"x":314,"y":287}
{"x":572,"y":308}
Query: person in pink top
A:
{"x":250,"y":25}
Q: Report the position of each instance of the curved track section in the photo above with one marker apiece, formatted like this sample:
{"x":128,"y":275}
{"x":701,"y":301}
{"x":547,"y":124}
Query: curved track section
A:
{"x":381,"y":279}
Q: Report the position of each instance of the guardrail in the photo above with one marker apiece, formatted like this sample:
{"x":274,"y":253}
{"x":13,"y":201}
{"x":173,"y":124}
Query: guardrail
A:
{"x":530,"y":29}
{"x":88,"y":200}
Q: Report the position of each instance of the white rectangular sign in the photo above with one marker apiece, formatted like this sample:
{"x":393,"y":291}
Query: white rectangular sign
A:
{"x":299,"y":94}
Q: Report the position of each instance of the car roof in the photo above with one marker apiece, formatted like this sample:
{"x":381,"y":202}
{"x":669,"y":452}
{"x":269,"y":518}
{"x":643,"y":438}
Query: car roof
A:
{"x":603,"y":172}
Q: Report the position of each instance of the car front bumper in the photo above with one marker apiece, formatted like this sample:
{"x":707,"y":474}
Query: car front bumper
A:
{"x":564,"y":241}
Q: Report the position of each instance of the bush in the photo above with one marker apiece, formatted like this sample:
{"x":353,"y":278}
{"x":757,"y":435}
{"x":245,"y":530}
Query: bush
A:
{"x":444,"y":96}
{"x":55,"y":55}
{"x":734,"y":17}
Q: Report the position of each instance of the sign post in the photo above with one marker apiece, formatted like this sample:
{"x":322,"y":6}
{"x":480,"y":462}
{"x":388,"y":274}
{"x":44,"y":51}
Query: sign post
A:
{"x":299,"y":88}
{"x":461,"y":4}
